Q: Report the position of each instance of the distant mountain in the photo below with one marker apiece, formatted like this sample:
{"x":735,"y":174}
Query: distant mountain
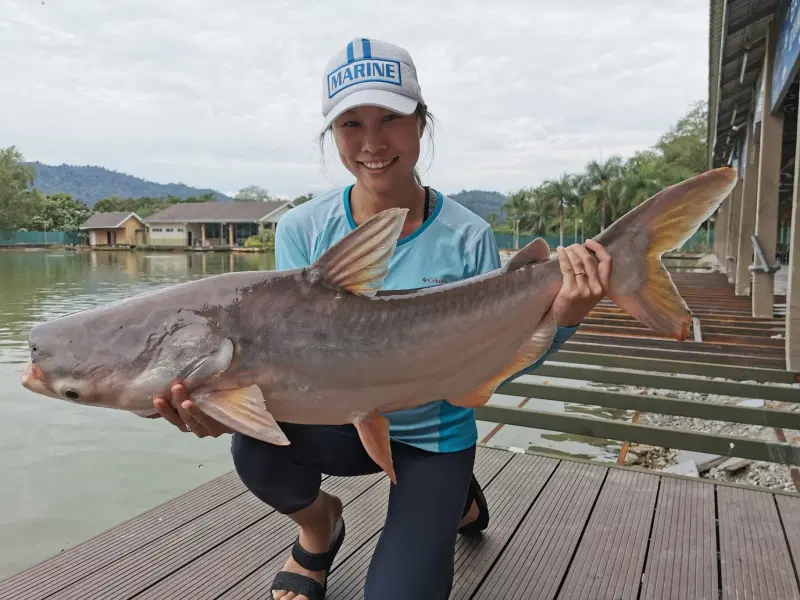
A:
{"x":91,"y":183}
{"x":481,"y":202}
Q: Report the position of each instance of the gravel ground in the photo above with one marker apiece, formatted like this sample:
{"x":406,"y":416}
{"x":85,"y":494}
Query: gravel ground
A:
{"x":762,"y":474}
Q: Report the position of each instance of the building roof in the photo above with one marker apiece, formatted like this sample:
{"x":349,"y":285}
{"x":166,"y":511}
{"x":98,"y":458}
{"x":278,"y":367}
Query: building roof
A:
{"x":109,"y":220}
{"x":217,"y":212}
{"x":737,"y":44}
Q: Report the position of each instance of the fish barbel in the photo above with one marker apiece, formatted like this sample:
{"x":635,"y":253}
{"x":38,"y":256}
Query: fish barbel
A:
{"x":320,"y":345}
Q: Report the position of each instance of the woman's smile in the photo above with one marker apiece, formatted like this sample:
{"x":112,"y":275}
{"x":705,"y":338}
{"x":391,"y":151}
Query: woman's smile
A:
{"x":378,"y":166}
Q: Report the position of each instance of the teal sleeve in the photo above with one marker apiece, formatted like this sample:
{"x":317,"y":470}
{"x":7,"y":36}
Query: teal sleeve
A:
{"x":485,"y":256}
{"x":289,"y":250}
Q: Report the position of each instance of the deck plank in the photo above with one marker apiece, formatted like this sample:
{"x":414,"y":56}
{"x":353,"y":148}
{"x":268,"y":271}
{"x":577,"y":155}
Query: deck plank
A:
{"x":789,"y":509}
{"x":364,"y":523}
{"x":510,"y":496}
{"x":559,"y":528}
{"x":610,"y":556}
{"x":754,"y":557}
{"x":534,"y":563}
{"x":166,"y":556}
{"x":682,"y":560}
{"x":47,"y":577}
{"x":220,"y":569}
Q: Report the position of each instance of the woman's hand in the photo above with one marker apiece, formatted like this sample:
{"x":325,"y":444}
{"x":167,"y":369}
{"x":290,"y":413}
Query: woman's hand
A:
{"x":586,"y":281}
{"x":187,"y":416}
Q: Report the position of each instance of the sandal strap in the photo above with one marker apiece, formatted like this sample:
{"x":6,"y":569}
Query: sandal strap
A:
{"x":322,"y":560}
{"x":482,"y":522}
{"x":299,"y":584}
{"x":471,"y":493}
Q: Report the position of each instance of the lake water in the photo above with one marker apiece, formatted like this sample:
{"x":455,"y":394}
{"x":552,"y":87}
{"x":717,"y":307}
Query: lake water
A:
{"x":69,"y":472}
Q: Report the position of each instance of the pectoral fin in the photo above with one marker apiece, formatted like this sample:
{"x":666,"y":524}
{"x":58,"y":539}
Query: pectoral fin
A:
{"x":533,"y":350}
{"x":244,"y":410}
{"x":374,"y":433}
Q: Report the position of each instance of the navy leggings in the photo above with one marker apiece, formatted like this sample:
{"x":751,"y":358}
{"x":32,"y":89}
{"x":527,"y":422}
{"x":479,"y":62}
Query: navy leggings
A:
{"x":415,"y":553}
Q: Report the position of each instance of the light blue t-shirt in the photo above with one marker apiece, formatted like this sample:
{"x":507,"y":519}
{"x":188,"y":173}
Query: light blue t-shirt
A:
{"x":452,"y":244}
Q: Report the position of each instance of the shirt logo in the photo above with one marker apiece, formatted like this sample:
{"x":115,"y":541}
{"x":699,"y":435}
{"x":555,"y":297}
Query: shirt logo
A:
{"x":362,"y":71}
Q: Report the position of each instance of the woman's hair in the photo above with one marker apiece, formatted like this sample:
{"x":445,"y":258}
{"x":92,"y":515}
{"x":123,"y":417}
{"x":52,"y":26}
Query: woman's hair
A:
{"x":421,"y":111}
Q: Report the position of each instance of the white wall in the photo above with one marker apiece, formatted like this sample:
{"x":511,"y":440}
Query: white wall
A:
{"x":167,"y":234}
{"x":276,"y":216}
{"x":197,"y":233}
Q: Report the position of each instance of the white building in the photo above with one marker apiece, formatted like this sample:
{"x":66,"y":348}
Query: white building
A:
{"x":203,"y":224}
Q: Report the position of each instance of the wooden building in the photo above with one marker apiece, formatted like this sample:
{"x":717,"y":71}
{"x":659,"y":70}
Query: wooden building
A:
{"x":114,"y":229}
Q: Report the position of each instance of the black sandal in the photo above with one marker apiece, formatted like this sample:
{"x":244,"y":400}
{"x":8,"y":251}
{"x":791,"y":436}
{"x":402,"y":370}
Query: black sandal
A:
{"x":306,"y":586}
{"x":482,"y":522}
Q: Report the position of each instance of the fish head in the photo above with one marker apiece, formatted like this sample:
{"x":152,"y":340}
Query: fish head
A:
{"x":122,"y":358}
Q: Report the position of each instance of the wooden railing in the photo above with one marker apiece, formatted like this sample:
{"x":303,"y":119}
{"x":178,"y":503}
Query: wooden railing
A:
{"x":633,"y":371}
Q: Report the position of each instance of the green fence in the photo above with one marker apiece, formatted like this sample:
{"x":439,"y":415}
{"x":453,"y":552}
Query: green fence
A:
{"x":700,"y":241}
{"x":22,"y":238}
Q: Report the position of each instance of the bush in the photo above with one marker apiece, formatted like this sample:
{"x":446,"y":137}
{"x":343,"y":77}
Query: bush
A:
{"x":268,"y":239}
{"x":253,"y":242}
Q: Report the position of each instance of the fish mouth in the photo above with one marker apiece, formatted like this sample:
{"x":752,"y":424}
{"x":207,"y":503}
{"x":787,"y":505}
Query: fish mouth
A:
{"x":32,"y":380}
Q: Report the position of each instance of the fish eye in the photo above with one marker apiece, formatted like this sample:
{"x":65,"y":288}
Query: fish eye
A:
{"x":71,"y":394}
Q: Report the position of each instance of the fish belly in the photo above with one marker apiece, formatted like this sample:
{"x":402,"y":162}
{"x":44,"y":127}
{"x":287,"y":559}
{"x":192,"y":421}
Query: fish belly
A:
{"x":392,"y":354}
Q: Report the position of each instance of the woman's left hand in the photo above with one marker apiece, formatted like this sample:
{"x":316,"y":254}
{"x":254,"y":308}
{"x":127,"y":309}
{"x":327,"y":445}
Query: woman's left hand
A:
{"x":586,"y":281}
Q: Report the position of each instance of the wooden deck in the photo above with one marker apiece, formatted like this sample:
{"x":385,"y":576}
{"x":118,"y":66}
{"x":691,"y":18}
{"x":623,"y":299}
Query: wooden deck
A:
{"x":560,"y":528}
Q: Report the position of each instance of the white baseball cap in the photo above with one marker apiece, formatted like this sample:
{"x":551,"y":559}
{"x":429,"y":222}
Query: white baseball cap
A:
{"x":369,"y":73}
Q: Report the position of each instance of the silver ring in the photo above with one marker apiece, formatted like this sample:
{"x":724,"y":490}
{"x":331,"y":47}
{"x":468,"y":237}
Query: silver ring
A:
{"x":580,"y":273}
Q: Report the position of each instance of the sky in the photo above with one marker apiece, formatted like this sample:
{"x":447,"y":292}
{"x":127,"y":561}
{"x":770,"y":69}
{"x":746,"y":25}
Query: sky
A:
{"x":223,"y":95}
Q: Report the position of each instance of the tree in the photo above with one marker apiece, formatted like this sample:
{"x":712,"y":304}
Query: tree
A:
{"x":18,"y":202}
{"x":252,"y":193}
{"x":562,"y":194}
{"x":301,"y":199}
{"x":684,"y":146}
{"x":60,"y":212}
{"x":615,"y":184}
{"x":599,"y":176}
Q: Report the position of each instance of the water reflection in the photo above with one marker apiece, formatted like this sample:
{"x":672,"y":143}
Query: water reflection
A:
{"x":43,"y":285}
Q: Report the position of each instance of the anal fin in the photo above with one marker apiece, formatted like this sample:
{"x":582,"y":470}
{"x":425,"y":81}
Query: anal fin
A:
{"x":243,"y":410}
{"x":373,"y":430}
{"x":532,"y":351}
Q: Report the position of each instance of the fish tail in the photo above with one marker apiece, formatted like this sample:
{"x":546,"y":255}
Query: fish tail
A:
{"x":640,"y":284}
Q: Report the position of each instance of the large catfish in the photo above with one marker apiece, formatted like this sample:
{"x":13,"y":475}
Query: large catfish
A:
{"x":319,"y":345}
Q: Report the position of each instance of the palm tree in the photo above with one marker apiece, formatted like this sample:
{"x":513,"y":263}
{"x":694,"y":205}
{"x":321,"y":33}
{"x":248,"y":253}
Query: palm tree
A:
{"x":600,"y":176}
{"x":562,"y":192}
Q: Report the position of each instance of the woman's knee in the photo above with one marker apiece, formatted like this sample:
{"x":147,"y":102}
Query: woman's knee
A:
{"x":256,"y":463}
{"x":272,"y":475}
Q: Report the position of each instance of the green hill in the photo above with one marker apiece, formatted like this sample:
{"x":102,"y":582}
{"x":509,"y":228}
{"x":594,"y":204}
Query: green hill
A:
{"x":481,"y":202}
{"x":91,"y":183}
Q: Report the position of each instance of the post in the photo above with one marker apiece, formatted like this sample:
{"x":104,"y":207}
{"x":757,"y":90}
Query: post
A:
{"x":747,"y":223}
{"x":793,"y":285}
{"x":230,"y":234}
{"x":721,"y":232}
{"x":768,"y":184}
{"x":732,"y":238}
{"x":203,"y":236}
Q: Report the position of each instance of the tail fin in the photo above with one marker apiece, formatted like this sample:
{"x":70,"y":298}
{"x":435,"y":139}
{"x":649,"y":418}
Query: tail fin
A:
{"x":640,"y":285}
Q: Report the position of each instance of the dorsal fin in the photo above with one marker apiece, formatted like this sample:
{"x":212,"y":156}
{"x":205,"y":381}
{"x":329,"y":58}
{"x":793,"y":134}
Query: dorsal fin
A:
{"x":536,"y":251}
{"x":359,"y":261}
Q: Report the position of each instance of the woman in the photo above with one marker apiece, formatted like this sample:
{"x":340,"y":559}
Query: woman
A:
{"x":373,"y":107}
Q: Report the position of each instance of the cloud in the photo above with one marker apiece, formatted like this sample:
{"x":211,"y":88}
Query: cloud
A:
{"x":225,"y":95}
